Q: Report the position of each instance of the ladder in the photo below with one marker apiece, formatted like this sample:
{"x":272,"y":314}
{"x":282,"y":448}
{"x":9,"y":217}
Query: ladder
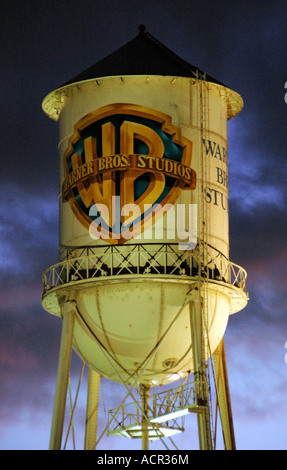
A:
{"x":202,"y":375}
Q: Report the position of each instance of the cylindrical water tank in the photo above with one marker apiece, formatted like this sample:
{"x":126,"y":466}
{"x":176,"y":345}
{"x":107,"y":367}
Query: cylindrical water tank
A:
{"x":131,"y":105}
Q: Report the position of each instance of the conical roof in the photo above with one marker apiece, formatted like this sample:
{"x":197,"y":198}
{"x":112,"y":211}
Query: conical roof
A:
{"x":143,"y":55}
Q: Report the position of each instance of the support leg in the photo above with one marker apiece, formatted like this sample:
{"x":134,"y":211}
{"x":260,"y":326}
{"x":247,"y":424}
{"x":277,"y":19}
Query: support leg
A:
{"x":145,"y":433}
{"x":201,"y":382}
{"x":92,"y":410}
{"x":62,"y":377}
{"x":224,"y":397}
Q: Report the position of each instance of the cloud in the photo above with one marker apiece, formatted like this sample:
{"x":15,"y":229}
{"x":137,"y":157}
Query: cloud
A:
{"x":28,"y":228}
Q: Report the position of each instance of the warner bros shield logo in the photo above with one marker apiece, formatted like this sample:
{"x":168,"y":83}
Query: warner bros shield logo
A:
{"x":125,"y":165}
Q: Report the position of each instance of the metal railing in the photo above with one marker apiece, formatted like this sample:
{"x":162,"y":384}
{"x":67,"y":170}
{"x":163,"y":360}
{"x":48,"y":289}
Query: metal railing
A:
{"x":141,"y":259}
{"x":166,"y":410}
{"x":172,"y":400}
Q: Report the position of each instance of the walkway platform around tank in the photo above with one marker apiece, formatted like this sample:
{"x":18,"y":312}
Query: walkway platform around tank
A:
{"x":165,"y":414}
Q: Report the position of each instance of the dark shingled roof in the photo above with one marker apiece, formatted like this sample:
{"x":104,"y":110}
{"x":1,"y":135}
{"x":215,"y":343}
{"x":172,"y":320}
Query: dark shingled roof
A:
{"x":143,"y":55}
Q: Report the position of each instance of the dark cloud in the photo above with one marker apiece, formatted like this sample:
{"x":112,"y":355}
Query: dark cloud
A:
{"x":29,"y":235}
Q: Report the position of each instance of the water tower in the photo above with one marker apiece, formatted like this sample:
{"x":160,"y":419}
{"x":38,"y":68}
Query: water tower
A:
{"x":144,"y":286}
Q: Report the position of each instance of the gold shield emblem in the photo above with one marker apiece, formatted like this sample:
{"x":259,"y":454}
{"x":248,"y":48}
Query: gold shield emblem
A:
{"x":122,"y":156}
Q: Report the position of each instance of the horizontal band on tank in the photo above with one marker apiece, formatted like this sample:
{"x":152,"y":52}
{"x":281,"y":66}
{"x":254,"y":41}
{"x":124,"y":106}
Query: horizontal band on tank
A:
{"x":122,"y":162}
{"x":136,"y":260}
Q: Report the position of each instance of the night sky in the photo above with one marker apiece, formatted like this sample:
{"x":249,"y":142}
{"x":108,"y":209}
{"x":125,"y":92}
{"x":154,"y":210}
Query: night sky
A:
{"x":43,"y":45}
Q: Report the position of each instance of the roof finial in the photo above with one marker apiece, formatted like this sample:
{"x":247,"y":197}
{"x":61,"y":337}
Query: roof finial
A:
{"x":142,"y":28}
